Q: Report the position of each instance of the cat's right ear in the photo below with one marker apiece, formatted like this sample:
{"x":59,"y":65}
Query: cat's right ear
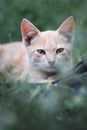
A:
{"x":29,"y":31}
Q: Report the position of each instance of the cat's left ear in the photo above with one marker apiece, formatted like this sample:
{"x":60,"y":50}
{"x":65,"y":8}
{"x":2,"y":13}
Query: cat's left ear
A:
{"x":29,"y":31}
{"x":67,"y":29}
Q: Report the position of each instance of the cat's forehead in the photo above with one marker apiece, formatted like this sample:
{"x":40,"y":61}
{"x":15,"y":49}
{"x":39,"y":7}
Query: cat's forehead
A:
{"x":49,"y":35}
{"x":48,"y":40}
{"x":52,"y":36}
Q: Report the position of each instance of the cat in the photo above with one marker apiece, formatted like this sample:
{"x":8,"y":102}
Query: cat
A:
{"x":41,"y":57}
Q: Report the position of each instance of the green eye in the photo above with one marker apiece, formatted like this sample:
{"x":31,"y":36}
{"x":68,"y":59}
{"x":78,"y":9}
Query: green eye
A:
{"x":41,"y":51}
{"x":59,"y":50}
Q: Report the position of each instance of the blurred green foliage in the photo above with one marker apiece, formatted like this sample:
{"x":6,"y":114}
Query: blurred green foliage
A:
{"x":26,"y":106}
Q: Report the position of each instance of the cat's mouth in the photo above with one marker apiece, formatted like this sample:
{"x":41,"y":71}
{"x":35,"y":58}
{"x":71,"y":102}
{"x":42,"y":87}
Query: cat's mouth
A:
{"x":50,"y":70}
{"x":51,"y":73}
{"x":46,"y":68}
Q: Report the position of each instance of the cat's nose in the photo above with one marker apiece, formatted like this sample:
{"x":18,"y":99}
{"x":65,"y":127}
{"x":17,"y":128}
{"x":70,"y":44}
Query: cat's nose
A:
{"x":51,"y":62}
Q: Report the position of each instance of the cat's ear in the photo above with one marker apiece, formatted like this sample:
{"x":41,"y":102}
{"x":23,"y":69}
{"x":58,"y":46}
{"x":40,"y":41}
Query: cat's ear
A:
{"x":29,"y":31}
{"x":67,"y":29}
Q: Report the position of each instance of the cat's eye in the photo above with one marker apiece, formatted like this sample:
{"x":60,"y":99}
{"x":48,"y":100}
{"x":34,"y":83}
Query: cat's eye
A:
{"x":41,"y":51}
{"x":59,"y":50}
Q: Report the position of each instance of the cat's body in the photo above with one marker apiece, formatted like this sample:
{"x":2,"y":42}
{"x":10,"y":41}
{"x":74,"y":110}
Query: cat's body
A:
{"x":42,"y":56}
{"x":13,"y":59}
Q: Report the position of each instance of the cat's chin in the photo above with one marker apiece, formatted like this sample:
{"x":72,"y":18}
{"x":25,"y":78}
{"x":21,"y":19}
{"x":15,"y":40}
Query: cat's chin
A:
{"x":50,"y":70}
{"x":46,"y":69}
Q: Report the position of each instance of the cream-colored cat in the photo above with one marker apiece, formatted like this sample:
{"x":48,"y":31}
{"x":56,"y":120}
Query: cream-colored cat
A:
{"x":42,"y":56}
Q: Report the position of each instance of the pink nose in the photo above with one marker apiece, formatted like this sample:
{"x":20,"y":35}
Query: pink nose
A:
{"x":51,"y":62}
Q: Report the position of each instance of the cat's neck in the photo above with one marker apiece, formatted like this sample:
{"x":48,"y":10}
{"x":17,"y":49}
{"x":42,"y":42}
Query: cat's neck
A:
{"x":41,"y":76}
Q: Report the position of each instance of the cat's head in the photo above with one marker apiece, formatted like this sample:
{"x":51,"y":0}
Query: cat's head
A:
{"x":49,"y":50}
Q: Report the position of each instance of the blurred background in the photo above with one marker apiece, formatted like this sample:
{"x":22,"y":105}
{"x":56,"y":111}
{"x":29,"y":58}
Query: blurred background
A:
{"x":44,"y":14}
{"x":35,"y":107}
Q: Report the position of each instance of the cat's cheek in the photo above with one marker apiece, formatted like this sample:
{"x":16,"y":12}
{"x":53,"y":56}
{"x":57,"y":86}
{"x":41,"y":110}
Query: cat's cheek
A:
{"x":37,"y":58}
{"x":63,"y":56}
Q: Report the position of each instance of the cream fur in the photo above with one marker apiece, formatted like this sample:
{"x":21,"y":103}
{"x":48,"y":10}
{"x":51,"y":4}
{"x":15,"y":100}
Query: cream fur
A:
{"x":28,"y":63}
